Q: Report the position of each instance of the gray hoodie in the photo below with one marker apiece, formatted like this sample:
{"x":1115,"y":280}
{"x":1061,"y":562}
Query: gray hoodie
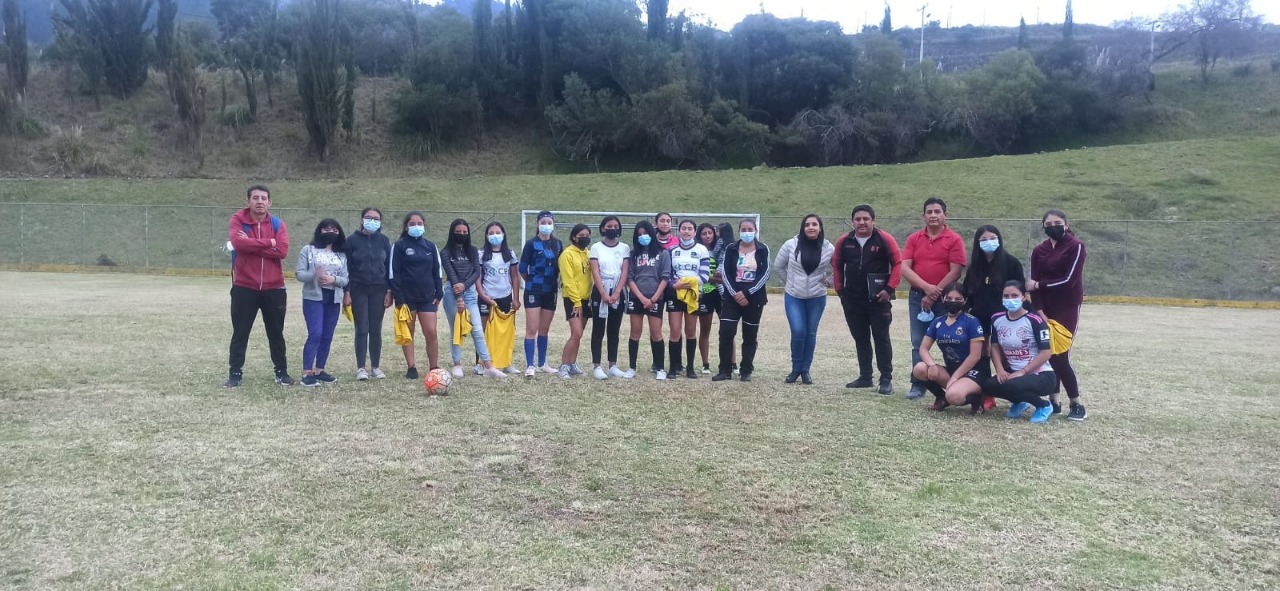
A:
{"x":308,"y":259}
{"x":796,"y":282}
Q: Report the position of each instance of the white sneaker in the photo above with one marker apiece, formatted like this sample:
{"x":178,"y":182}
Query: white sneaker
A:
{"x":362,"y":375}
{"x":599,"y":374}
{"x":494,"y":372}
{"x":615,"y":372}
{"x":630,"y":373}
{"x":546,"y":368}
{"x":530,"y":371}
{"x":377,"y":374}
{"x":574,"y":370}
{"x":662,"y":375}
{"x":457,"y":371}
{"x":478,"y":369}
{"x":563,"y":372}
{"x":512,"y":370}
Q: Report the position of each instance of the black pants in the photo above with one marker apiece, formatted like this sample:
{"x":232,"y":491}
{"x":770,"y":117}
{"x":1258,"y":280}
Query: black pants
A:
{"x":1030,"y":389}
{"x":368,"y":310}
{"x":245,"y":304}
{"x":600,"y":327}
{"x":869,"y":322}
{"x":730,"y":314}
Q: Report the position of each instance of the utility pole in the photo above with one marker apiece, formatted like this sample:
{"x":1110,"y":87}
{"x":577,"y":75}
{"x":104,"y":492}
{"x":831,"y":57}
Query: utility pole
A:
{"x":923,"y":15}
{"x":1155,"y":24}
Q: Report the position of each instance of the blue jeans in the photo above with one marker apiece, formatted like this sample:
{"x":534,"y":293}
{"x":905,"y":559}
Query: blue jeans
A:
{"x":918,"y":328}
{"x":322,"y":318}
{"x":449,"y":307}
{"x":803,"y":314}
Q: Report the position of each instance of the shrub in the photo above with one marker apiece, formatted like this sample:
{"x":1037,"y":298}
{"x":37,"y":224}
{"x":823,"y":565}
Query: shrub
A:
{"x":237,"y":115}
{"x":70,"y":148}
{"x":1243,"y":70}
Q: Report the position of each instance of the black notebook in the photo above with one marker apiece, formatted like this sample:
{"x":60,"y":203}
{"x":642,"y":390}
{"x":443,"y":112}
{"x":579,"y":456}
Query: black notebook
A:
{"x":876,"y":283}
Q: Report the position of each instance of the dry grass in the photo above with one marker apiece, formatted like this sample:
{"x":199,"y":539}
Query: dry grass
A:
{"x":125,"y":465}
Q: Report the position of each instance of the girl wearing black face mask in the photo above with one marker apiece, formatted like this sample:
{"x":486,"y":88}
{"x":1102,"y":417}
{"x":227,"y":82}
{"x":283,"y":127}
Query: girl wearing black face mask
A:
{"x":608,"y":259}
{"x":1057,"y":290}
{"x":958,"y":380}
{"x":322,"y":269}
{"x":463,"y":268}
{"x":575,"y":284}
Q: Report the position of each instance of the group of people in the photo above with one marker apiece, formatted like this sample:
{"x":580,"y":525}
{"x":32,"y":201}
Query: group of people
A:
{"x":990,"y":322}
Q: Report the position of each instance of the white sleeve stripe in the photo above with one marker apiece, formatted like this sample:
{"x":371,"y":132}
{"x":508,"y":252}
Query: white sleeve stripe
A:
{"x":1072,"y":272}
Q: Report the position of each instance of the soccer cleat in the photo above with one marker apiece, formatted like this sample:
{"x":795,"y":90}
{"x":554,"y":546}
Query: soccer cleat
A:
{"x":564,"y":372}
{"x":1077,"y":412}
{"x":233,"y":380}
{"x":661,"y":375}
{"x":614,"y":371}
{"x":411,"y":374}
{"x":282,"y":378}
{"x":599,"y":374}
{"x":574,"y":370}
{"x":324,"y":377}
{"x":1015,"y":411}
{"x":377,"y":374}
{"x":457,"y":372}
{"x":792,"y":377}
{"x":310,"y":381}
{"x":691,"y":373}
{"x":915,"y":393}
{"x":530,"y":371}
{"x":361,"y":375}
{"x":1042,"y":414}
{"x":494,"y":372}
{"x":885,"y":389}
{"x":860,"y":383}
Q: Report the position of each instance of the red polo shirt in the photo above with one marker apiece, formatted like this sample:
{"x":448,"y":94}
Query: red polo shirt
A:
{"x":931,"y":257}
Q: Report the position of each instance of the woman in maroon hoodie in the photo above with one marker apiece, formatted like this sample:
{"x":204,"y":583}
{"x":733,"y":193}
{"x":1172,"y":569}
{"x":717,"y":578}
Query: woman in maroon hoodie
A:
{"x":1057,"y":290}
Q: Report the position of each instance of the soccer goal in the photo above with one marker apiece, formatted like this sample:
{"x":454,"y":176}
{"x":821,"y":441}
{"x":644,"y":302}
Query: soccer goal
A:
{"x":566,"y":220}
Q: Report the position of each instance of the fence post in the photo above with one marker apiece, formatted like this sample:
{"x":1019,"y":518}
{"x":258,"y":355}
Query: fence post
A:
{"x":1124,"y":261}
{"x":1229,"y":268}
{"x":213,"y":233}
{"x":22,"y":234}
{"x":84,"y":229}
{"x":146,"y":236}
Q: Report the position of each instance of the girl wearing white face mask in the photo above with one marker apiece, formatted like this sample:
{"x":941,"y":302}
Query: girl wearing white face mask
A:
{"x":746,"y":270}
{"x":540,"y":268}
{"x":1020,"y":353}
{"x":499,"y":286}
{"x":990,"y":266}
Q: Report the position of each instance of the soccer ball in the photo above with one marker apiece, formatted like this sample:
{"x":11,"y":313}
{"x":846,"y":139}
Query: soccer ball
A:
{"x":437,"y":382}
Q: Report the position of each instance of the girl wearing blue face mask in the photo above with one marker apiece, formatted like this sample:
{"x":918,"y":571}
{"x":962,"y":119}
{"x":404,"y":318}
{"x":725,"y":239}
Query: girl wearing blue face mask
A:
{"x":648,"y":273}
{"x":416,"y":281}
{"x":368,"y":294}
{"x":745,"y":270}
{"x":1020,"y":353}
{"x":499,"y":286}
{"x":990,"y":266}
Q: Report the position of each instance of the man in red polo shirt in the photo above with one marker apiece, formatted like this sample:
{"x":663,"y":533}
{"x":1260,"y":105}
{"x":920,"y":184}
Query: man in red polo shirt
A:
{"x":933,"y":259}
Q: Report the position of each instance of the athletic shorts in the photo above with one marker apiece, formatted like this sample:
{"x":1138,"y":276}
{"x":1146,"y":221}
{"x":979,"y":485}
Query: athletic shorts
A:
{"x":978,"y":374}
{"x":504,"y":304}
{"x":418,"y":307}
{"x":568,"y":308}
{"x":633,"y":307}
{"x":673,"y":303}
{"x":708,"y":303}
{"x":544,"y":301}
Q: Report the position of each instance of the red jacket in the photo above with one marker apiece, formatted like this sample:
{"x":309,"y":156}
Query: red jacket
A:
{"x":257,"y":264}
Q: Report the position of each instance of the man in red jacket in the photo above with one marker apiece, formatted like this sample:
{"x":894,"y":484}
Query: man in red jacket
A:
{"x":259,"y":242}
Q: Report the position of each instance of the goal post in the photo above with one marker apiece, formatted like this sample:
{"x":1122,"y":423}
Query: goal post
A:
{"x":568,"y":219}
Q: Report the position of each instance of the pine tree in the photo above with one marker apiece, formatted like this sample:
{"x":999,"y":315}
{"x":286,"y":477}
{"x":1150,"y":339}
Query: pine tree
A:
{"x":886,"y":25}
{"x":1069,"y":24}
{"x":657,"y":20}
{"x":15,"y":38}
{"x":1022,"y":33}
{"x":317,"y":47}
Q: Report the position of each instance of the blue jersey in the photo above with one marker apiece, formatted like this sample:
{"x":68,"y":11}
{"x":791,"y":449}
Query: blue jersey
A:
{"x":540,"y":261}
{"x":954,"y":339}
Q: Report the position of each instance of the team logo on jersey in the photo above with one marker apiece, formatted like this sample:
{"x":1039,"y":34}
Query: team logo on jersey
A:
{"x":1044,"y":335}
{"x":408,"y":252}
{"x":959,"y":331}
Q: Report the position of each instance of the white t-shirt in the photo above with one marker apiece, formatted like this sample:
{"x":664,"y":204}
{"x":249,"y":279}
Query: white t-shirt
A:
{"x":497,"y":276}
{"x":610,"y":258}
{"x":689,"y":262}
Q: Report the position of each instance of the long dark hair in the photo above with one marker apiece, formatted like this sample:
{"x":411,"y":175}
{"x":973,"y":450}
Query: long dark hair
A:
{"x":809,"y":252}
{"x":507,"y":255}
{"x":404,"y":228}
{"x":714,"y":236}
{"x":980,"y":269}
{"x":330,"y":223}
{"x":464,"y":251}
{"x":654,"y":247}
{"x":1059,"y":213}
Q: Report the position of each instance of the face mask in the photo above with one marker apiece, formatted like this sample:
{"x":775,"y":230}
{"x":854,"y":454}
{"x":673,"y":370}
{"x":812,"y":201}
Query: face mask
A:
{"x":327,"y":239}
{"x":686,"y":243}
{"x":953,"y":308}
{"x":495,"y":239}
{"x":612,"y":233}
{"x":989,"y":246}
{"x":748,"y":237}
{"x":461,"y":239}
{"x":644,"y":239}
{"x":372,"y":226}
{"x":546,"y":229}
{"x":1055,"y":232}
{"x":582,"y":241}
{"x":925,"y":316}
{"x":417,"y":231}
{"x":1012,"y":304}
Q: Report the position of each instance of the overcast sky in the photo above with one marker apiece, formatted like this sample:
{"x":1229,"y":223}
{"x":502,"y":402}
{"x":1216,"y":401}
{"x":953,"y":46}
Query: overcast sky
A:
{"x":852,"y":14}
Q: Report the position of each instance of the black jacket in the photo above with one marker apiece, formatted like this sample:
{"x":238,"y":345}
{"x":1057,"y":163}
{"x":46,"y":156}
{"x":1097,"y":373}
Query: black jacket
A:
{"x":415,"y":271}
{"x":368,"y":259}
{"x":729,"y":271}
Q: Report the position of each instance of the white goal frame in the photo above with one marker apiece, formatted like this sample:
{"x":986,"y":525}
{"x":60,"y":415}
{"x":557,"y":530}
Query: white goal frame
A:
{"x":623,"y":216}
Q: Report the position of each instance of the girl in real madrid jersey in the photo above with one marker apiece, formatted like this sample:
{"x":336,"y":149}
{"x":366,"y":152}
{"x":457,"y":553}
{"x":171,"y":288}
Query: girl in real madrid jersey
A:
{"x":958,"y":379}
{"x":1020,"y":353}
{"x":690,"y":269}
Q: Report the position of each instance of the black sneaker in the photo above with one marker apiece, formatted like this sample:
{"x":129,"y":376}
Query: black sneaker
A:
{"x":675,"y":372}
{"x":691,"y":373}
{"x":805,"y":379}
{"x":310,"y":381}
{"x":282,"y":378}
{"x":1057,"y":407}
{"x":720,"y":377}
{"x":1077,"y":412}
{"x":412,"y":374}
{"x":860,"y":383}
{"x":745,"y":376}
{"x":233,"y":380}
{"x":792,"y":377}
{"x":326,"y":378}
{"x":885,"y":389}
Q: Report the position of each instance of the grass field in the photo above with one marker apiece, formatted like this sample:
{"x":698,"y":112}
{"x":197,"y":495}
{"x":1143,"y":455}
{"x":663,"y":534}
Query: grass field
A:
{"x":124,"y":464}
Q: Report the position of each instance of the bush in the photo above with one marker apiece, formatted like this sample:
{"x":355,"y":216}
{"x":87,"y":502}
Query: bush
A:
{"x":1275,"y":65}
{"x":1242,"y":70}
{"x":429,"y":118}
{"x":70,"y":148}
{"x":237,"y":115}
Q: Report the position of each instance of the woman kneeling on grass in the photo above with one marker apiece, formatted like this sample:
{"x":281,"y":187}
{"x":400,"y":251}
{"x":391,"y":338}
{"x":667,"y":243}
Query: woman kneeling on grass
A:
{"x":958,"y":380}
{"x":1020,"y":353}
{"x":322,"y":269}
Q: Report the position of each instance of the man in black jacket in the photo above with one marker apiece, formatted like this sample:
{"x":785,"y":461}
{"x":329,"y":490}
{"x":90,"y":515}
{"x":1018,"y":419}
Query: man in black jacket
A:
{"x":867,"y":268}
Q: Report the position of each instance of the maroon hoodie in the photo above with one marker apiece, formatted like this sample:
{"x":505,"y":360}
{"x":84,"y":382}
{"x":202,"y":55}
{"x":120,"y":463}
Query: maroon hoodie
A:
{"x":257,"y":265}
{"x":1059,"y":269}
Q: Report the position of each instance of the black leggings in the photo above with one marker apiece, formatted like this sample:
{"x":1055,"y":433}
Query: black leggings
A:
{"x":730,"y":314}
{"x":601,"y":326}
{"x":368,"y":310}
{"x":1030,"y":388}
{"x":1061,"y":364}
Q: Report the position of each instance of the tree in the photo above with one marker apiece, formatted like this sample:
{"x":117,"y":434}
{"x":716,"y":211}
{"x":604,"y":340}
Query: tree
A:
{"x":785,"y":66}
{"x":188,"y":92}
{"x":657,"y":20}
{"x":1022,"y":33}
{"x":15,"y":39}
{"x":112,"y":40}
{"x":1213,"y":27}
{"x":166,"y":18}
{"x":484,"y":54}
{"x":247,"y":39}
{"x":1069,"y":24}
{"x":886,"y":24}
{"x":999,"y":98}
{"x":317,"y":48}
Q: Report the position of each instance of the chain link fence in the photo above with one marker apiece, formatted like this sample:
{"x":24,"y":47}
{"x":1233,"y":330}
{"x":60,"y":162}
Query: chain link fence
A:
{"x":1146,"y":258}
